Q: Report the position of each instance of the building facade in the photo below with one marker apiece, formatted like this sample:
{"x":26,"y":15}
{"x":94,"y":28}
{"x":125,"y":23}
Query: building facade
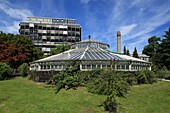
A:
{"x":143,"y":57}
{"x":47,"y":33}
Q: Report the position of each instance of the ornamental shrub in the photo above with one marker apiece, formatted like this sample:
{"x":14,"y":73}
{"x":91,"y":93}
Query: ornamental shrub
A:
{"x":141,"y":77}
{"x":163,"y":73}
{"x":23,"y":69}
{"x":150,"y":75}
{"x":109,"y":83}
{"x":5,"y":71}
{"x":110,"y":104}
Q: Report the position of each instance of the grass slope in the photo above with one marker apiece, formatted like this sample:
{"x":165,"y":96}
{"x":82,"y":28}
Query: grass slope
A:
{"x":147,"y":98}
{"x":20,"y":95}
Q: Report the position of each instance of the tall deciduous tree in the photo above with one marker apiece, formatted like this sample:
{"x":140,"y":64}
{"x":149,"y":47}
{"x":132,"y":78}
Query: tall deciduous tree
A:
{"x":135,"y":53}
{"x":17,"y":49}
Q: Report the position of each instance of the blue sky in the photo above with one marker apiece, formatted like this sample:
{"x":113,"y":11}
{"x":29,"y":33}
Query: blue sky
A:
{"x":136,"y":19}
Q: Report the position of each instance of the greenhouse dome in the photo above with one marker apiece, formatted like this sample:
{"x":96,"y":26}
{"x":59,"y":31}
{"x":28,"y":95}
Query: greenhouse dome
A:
{"x":91,"y":55}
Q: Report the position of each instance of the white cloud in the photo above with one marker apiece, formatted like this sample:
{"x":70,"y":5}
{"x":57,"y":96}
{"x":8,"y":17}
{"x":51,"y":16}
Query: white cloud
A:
{"x":14,"y":12}
{"x":136,"y":21}
{"x":49,"y":7}
{"x":140,"y":43}
{"x":84,"y":1}
{"x":13,"y":28}
{"x":17,"y":14}
{"x":126,"y":29}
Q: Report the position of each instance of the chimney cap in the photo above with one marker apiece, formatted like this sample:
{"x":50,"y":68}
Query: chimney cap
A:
{"x":118,"y":33}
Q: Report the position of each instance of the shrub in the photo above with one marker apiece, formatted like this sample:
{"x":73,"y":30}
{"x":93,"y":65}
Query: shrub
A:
{"x":5,"y":71}
{"x":168,"y":78}
{"x":23,"y":69}
{"x":150,"y":75}
{"x":67,"y":78}
{"x":110,"y":104}
{"x":130,"y":77}
{"x":141,"y":77}
{"x":162,"y":73}
{"x":146,"y":77}
{"x":110,"y":83}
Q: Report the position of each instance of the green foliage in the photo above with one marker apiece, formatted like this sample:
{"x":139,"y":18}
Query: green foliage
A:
{"x":127,"y":52}
{"x":17,"y":49}
{"x":159,"y":50}
{"x":124,"y":50}
{"x":135,"y":53}
{"x":165,"y":49}
{"x":141,"y":79}
{"x":23,"y":69}
{"x":59,"y":49}
{"x":67,"y":78}
{"x":110,"y":104}
{"x":162,"y":73}
{"x":152,"y":48}
{"x":150,"y":75}
{"x":110,"y":83}
{"x":5,"y":71}
{"x":146,"y":77}
{"x":168,"y":77}
{"x":102,"y":82}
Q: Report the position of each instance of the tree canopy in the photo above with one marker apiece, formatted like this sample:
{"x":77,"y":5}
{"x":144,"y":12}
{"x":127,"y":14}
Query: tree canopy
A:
{"x":159,"y":50}
{"x":165,"y":49}
{"x":59,"y":49}
{"x":17,"y":49}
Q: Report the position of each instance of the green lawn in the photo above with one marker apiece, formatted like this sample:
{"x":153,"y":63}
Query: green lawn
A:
{"x":20,"y":95}
{"x":148,"y":98}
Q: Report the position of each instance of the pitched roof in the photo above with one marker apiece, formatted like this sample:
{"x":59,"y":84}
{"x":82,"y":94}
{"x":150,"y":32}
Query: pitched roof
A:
{"x":89,"y":53}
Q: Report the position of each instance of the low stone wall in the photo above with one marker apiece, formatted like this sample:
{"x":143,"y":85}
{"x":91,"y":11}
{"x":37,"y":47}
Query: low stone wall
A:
{"x":41,"y":76}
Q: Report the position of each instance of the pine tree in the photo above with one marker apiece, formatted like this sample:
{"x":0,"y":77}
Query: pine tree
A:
{"x":124,"y":50}
{"x":135,"y":53}
{"x":165,"y":49}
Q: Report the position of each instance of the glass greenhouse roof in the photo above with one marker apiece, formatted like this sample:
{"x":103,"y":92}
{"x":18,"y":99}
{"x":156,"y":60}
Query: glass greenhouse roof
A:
{"x":89,"y":53}
{"x":90,"y":43}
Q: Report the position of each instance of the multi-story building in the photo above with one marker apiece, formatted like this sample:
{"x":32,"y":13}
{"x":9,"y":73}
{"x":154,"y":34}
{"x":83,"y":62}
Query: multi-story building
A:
{"x":47,"y":33}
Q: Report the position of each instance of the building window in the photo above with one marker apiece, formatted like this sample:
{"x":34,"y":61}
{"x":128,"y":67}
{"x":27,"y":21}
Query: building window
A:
{"x":93,"y":66}
{"x":48,"y":67}
{"x":88,"y":66}
{"x":103,"y":66}
{"x":83,"y":67}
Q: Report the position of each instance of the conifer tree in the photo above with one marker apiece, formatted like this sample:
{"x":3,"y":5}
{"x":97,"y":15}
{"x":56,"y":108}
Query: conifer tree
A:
{"x":165,"y":49}
{"x":127,"y":52}
{"x":135,"y":53}
{"x":124,"y":50}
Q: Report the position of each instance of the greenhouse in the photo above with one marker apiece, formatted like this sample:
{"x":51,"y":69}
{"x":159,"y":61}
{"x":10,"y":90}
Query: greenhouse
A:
{"x":90,"y":55}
